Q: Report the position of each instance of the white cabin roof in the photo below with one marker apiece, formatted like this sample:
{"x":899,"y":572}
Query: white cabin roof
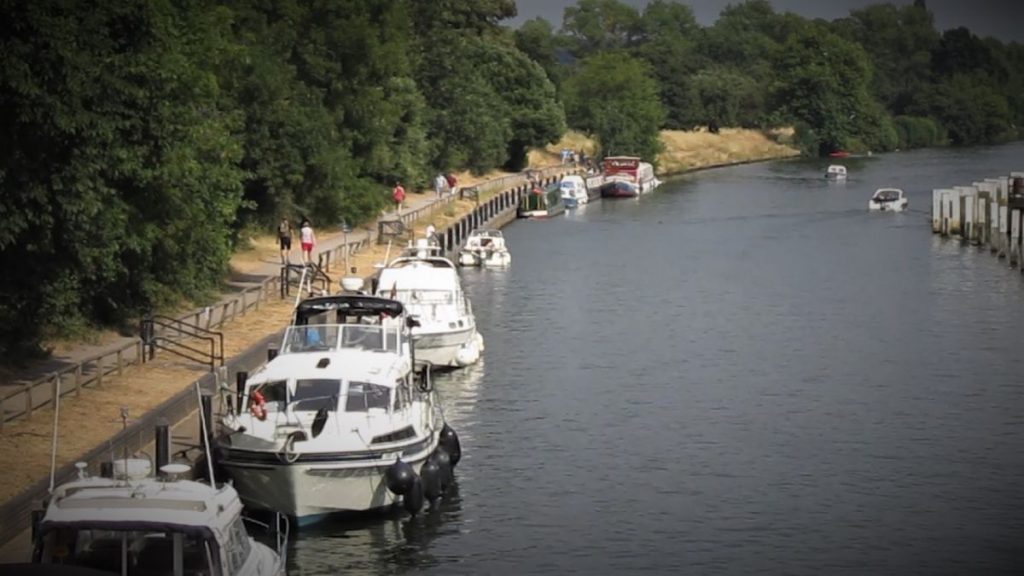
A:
{"x":380,"y":367}
{"x":415,"y":277}
{"x":177,"y":503}
{"x":572,"y":179}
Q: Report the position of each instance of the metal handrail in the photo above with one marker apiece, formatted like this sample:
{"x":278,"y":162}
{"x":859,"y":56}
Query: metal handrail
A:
{"x":147,"y":330}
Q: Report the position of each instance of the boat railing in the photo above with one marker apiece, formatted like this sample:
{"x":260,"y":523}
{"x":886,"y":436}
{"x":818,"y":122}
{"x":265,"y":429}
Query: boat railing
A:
{"x":333,"y":337}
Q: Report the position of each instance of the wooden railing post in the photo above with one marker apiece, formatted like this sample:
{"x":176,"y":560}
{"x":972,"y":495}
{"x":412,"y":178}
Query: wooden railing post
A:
{"x":28,"y":401}
{"x":120,"y":363}
{"x":99,"y":371}
{"x":56,"y":389}
{"x":78,"y":380}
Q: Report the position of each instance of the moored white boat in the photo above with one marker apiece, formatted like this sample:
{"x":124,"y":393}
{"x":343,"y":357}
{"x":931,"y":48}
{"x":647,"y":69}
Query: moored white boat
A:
{"x":334,"y":411}
{"x":428,"y":285}
{"x":574,"y":191}
{"x":888,"y":199}
{"x":134,"y":523}
{"x":485,"y":247}
{"x":836,"y":172}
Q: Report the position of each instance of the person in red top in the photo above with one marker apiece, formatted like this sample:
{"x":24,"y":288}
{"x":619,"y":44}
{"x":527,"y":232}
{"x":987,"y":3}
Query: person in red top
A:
{"x":399,"y":196}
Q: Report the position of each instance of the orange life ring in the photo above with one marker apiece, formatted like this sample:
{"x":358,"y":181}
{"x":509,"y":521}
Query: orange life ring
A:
{"x":258,"y":405}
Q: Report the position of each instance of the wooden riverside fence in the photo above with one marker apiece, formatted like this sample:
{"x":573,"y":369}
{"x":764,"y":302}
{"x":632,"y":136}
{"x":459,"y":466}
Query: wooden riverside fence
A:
{"x":986,"y":213}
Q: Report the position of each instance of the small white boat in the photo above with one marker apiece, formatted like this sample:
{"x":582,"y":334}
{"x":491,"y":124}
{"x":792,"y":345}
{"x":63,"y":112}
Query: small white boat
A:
{"x":888,"y":199}
{"x":485,"y":247}
{"x":836,"y":172}
{"x":574,"y":191}
{"x":428,"y":285}
{"x":134,"y":523}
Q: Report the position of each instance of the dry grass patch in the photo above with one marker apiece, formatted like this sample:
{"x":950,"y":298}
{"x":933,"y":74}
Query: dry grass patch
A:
{"x":88,"y":420}
{"x":689,"y":150}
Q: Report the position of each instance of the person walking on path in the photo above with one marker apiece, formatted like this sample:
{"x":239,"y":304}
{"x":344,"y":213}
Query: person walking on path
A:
{"x":308,"y":240}
{"x":398,"y":195}
{"x":284,"y":239}
{"x":440,"y":184}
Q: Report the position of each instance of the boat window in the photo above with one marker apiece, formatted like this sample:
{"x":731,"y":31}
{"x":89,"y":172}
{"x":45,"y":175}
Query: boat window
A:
{"x":316,"y":394}
{"x":401,"y":395}
{"x":273,"y":392}
{"x":146,"y":551}
{"x":310,"y":338}
{"x":362,"y":396}
{"x":363,"y":337}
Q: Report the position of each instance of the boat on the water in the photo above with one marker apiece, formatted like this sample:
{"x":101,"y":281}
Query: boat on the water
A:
{"x":627,"y":177}
{"x":337,"y":414}
{"x":574,"y":191}
{"x":888,"y":199}
{"x":428,"y":285}
{"x":836,"y":172}
{"x":485,"y":247}
{"x":134,"y":523}
{"x":541,"y":202}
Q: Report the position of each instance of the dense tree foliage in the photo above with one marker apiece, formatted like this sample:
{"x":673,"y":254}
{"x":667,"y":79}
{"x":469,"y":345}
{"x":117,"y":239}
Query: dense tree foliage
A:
{"x":614,"y":98}
{"x":143,"y":139}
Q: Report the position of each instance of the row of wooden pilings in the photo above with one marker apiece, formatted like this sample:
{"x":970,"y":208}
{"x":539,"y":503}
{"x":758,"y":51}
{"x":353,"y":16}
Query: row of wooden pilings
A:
{"x":986,"y":213}
{"x":496,"y":211}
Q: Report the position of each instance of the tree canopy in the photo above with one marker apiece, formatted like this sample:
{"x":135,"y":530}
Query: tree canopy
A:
{"x":144,"y":139}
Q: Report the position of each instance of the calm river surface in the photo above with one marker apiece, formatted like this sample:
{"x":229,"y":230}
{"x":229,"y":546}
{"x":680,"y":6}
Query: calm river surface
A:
{"x":742,"y":373}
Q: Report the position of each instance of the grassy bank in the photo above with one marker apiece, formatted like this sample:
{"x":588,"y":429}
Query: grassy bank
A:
{"x":691,"y":150}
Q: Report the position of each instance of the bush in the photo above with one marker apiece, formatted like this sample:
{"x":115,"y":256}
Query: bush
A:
{"x":917,"y":132}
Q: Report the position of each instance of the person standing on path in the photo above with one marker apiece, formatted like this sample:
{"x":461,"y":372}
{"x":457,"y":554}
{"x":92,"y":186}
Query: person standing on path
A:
{"x":440,"y":183}
{"x":284,"y":238}
{"x":308,"y":240}
{"x":398,"y":195}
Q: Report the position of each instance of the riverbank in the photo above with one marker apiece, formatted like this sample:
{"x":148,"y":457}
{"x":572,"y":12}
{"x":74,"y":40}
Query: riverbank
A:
{"x":92,"y":419}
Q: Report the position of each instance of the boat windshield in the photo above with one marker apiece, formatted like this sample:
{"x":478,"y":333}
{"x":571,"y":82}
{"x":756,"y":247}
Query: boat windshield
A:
{"x":130,"y":552}
{"x":887,"y":195}
{"x":327,"y":337}
{"x":314,"y":394}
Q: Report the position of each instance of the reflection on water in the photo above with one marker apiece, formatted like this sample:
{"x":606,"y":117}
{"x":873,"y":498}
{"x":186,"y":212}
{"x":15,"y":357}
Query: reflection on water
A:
{"x":364,"y":543}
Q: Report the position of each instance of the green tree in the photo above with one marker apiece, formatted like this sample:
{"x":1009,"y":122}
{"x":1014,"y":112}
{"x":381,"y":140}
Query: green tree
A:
{"x":594,"y":26}
{"x":822,"y":82}
{"x":536,"y":38}
{"x":613,"y":98}
{"x":667,"y":40}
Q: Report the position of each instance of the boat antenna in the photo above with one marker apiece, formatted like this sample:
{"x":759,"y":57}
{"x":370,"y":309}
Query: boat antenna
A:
{"x":53,"y":448}
{"x":206,"y":435}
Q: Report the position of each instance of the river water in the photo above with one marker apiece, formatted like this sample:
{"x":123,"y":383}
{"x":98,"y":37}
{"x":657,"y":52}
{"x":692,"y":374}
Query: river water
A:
{"x":745,"y":372}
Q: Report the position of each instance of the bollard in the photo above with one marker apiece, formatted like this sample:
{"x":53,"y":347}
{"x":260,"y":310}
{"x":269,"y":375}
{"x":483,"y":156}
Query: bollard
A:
{"x":206,"y":413}
{"x":106,"y":469}
{"x":162,"y":435}
{"x":271,"y":353}
{"x":240,"y":379}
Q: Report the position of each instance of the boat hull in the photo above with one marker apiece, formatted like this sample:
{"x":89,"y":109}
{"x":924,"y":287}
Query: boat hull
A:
{"x":310,"y":490}
{"x":887,"y":206}
{"x":443,"y":348}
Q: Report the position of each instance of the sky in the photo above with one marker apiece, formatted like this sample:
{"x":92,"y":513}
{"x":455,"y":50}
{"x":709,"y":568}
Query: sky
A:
{"x":1003,"y":19}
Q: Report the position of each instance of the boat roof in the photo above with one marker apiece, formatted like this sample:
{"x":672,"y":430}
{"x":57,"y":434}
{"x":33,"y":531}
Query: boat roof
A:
{"x":349,"y":305}
{"x":417,"y":278}
{"x":172,"y":503}
{"x":485,"y":233}
{"x":573,"y":178}
{"x":343,"y":363}
{"x":880,"y":190}
{"x":836,"y":168}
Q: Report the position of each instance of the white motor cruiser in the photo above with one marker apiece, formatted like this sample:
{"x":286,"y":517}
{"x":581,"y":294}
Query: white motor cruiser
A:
{"x":428,"y":285}
{"x":485,"y":247}
{"x":888,"y":199}
{"x":574,"y":191}
{"x":836,"y":172}
{"x":134,"y":523}
{"x":337,"y":411}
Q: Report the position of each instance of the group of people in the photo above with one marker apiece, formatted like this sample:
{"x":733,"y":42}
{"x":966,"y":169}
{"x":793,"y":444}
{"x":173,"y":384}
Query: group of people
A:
{"x":575,"y":158}
{"x":307,"y":239}
{"x":444,"y":184}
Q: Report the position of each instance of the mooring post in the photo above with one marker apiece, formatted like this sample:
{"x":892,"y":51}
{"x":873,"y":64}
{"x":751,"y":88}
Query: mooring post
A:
{"x":1014,"y":236}
{"x":271,"y":353}
{"x":206,"y":413}
{"x":162,"y":434}
{"x":936,"y":210}
{"x":240,"y":379}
